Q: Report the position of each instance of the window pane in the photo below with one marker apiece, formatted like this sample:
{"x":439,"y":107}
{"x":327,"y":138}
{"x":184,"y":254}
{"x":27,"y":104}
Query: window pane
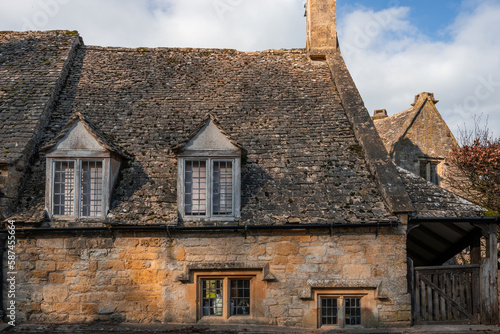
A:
{"x":64,"y":183}
{"x":353,"y":311}
{"x":423,"y":169}
{"x":222,"y":188}
{"x":434,"y":176}
{"x":91,"y":189}
{"x":211,"y":297}
{"x":329,"y":311}
{"x":195,"y":188}
{"x":240,"y":297}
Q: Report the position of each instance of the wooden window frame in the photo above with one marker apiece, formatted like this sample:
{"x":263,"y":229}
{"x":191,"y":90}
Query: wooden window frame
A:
{"x":226,"y":296}
{"x":367,"y":305}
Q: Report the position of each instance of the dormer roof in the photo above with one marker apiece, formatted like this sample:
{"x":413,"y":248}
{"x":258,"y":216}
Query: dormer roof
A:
{"x":79,"y":134}
{"x":208,"y":137}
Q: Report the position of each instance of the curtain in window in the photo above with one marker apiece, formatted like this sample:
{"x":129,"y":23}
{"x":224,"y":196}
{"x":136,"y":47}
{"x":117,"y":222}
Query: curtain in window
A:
{"x":91,"y":189}
{"x":195,"y":188}
{"x":64,"y":183}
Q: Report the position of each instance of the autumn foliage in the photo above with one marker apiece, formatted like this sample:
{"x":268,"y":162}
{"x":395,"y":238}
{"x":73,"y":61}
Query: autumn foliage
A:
{"x":478,"y":160}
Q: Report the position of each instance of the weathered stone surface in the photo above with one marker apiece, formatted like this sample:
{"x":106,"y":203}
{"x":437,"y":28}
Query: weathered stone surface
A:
{"x":301,"y":161}
{"x":121,"y":287}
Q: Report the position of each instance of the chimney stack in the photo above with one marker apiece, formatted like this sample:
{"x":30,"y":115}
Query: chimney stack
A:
{"x":423,"y":96}
{"x":379,"y":114}
{"x":321,"y":26}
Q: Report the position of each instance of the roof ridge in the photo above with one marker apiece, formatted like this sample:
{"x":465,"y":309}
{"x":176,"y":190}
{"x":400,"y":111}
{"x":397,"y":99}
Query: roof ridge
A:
{"x":390,"y":185}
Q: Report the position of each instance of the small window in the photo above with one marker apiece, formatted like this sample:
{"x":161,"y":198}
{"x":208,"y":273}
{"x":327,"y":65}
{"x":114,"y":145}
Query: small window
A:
{"x":209,"y":188}
{"x":225,"y":297}
{"x":352,"y":311}
{"x":84,"y":175}
{"x":212,"y":297}
{"x":240,"y":297}
{"x":428,"y":169}
{"x":340,"y":311}
{"x":81,"y":169}
{"x":329,"y":311}
{"x":209,"y":174}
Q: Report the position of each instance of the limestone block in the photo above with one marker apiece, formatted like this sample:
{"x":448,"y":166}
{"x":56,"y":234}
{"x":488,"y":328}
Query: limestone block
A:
{"x":56,"y":278}
{"x":112,"y":265}
{"x":287,"y":248}
{"x":55,"y":294}
{"x":356,"y":271}
{"x":46,"y":265}
{"x":308,"y":268}
{"x":317,"y":250}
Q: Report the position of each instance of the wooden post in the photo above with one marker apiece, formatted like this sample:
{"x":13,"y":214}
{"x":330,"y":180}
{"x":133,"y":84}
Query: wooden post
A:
{"x":475,"y":247}
{"x":489,"y":273}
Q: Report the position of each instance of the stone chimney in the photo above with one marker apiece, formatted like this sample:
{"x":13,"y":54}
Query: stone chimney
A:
{"x":379,"y":114}
{"x":321,"y":26}
{"x":424,"y":96}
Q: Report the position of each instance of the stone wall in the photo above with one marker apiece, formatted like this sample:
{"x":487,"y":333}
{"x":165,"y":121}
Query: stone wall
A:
{"x":136,"y":277}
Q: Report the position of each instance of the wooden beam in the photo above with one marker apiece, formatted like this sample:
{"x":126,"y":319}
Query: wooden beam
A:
{"x":452,"y":251}
{"x":427,"y":231}
{"x":456,"y":229}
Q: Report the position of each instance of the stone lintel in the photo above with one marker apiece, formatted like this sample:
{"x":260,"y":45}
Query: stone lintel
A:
{"x":185,"y":277}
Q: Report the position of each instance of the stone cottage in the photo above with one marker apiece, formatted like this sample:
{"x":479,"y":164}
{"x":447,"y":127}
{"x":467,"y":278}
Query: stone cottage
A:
{"x":211,"y":186}
{"x":418,"y":139}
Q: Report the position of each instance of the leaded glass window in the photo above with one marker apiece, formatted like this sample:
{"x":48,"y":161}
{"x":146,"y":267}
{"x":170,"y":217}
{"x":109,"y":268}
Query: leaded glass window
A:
{"x":77,"y":188}
{"x":329,"y":311}
{"x":64,"y":187}
{"x":352,"y":311}
{"x":240,"y":297}
{"x":212,"y":291}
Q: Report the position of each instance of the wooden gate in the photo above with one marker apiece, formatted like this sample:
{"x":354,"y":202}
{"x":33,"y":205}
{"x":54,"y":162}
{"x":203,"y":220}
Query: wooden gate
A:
{"x":446,"y":294}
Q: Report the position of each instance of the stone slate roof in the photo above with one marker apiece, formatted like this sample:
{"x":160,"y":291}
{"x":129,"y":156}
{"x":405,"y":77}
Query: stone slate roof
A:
{"x":31,"y":72}
{"x":431,"y":200}
{"x":293,"y":120}
{"x":392,"y":128}
{"x":302,"y":162}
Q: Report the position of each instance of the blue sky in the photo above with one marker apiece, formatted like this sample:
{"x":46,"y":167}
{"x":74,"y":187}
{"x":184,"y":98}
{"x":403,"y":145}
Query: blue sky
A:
{"x":431,"y":16}
{"x":394,"y":49}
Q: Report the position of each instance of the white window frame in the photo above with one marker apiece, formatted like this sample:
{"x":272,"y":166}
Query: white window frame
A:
{"x":236,"y":197}
{"x":50,"y":191}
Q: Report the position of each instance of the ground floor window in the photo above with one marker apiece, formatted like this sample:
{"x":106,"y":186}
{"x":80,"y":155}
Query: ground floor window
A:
{"x":225,"y":296}
{"x":212,"y":296}
{"x":340,"y":311}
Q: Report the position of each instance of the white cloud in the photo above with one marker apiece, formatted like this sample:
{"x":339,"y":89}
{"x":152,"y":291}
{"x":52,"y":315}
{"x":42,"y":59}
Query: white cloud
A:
{"x":242,"y":24}
{"x":389,"y":58}
{"x":391,"y":61}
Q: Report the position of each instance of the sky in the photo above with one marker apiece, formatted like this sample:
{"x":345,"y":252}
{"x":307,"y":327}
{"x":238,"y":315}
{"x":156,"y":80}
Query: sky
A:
{"x":394,"y":49}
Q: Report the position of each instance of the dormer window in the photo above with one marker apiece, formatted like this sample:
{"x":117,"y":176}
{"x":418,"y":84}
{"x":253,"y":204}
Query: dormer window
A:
{"x":209,"y":177}
{"x":81,"y":169}
{"x":77,"y":188}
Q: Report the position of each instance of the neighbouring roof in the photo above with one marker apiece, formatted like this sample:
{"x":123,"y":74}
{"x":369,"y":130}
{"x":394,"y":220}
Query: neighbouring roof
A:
{"x":391,"y":129}
{"x":431,"y":200}
{"x":31,"y":68}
